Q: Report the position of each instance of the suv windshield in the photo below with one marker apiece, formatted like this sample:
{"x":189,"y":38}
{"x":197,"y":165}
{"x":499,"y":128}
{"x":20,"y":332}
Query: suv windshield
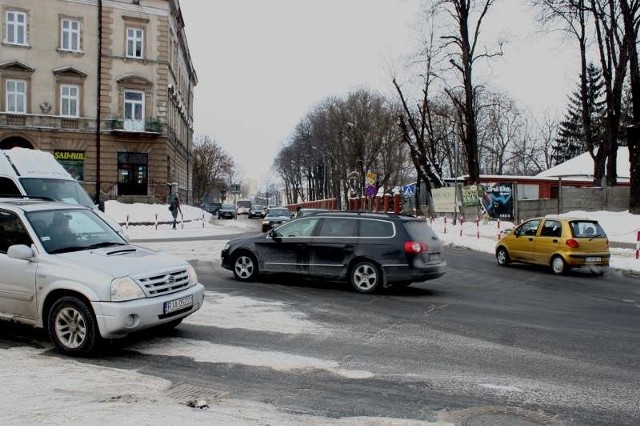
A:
{"x":72,"y":230}
{"x":68,"y":191}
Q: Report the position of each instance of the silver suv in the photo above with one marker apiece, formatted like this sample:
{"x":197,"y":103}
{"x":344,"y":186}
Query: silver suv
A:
{"x":66,"y":270}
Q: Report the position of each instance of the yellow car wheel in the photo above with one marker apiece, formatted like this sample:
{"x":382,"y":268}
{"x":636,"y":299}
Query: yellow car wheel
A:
{"x":502,"y":256}
{"x":558,"y":265}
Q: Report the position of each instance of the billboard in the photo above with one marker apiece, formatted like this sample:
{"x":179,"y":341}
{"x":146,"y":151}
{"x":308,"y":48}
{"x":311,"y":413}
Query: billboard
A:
{"x":444,"y":199}
{"x":497,"y":200}
{"x":371,"y":189}
{"x":470,"y":195}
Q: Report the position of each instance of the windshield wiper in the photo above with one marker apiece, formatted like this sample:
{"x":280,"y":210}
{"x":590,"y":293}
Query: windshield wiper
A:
{"x":67,"y":249}
{"x":105,"y":244}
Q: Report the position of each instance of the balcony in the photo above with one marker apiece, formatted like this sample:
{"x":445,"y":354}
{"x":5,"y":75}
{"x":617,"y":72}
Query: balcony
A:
{"x":46,"y":122}
{"x":152,"y":125}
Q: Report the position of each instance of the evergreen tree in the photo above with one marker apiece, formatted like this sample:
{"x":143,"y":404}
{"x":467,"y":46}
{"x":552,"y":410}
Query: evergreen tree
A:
{"x":571,"y":140}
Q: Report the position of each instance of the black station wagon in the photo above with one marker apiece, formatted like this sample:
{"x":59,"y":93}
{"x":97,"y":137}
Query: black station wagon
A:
{"x":368,"y":250}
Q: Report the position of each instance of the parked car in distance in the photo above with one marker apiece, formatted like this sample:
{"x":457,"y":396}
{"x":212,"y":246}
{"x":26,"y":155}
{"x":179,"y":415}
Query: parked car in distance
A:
{"x":66,"y":270}
{"x":227,"y":211}
{"x":368,"y":250}
{"x":305,"y":211}
{"x":212,"y":207}
{"x":243,"y":206}
{"x":275,"y":216}
{"x":558,"y":242}
{"x":257,"y":210}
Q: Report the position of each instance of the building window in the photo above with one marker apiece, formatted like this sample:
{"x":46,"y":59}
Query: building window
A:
{"x":16,"y":96}
{"x":70,"y":35}
{"x":135,"y":39}
{"x":134,"y":110}
{"x":69,"y":100}
{"x":16,"y":27}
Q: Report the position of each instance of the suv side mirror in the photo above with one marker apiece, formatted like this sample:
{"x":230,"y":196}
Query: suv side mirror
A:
{"x":20,"y":251}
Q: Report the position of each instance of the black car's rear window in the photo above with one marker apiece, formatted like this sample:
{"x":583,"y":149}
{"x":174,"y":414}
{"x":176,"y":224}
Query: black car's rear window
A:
{"x":418,"y":230}
{"x":279,"y":212}
{"x":376,"y":228}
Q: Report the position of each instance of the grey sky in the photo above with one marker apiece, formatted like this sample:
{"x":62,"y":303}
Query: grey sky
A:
{"x":263,"y":64}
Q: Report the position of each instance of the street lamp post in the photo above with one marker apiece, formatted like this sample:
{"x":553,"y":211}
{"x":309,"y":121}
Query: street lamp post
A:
{"x":455,"y":182}
{"x":324,"y":171}
{"x":362,"y":154}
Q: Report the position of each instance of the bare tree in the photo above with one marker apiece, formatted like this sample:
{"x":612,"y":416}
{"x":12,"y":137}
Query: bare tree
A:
{"x":338,"y":138}
{"x":210,"y":166}
{"x":545,"y":132}
{"x":614,"y":57}
{"x":418,"y":126}
{"x":464,"y":51}
{"x":504,"y":127}
{"x":631,"y":15}
{"x":574,"y":16}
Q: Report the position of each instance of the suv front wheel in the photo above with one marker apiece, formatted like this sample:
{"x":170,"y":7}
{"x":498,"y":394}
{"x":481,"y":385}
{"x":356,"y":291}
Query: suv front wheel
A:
{"x":72,"y":326}
{"x":365,"y":277}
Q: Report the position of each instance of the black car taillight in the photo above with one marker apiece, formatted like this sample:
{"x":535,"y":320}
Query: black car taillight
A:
{"x":414,"y":247}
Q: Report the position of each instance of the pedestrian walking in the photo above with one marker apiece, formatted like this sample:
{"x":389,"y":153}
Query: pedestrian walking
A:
{"x":175,"y":209}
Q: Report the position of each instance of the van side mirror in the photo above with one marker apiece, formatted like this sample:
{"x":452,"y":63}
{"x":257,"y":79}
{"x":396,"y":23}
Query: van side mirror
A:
{"x":101,"y":205}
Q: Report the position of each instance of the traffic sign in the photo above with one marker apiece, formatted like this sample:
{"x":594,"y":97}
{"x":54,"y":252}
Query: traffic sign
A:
{"x":409,"y":189}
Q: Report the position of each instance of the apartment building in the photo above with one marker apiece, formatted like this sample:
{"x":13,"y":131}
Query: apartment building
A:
{"x":106,"y":86}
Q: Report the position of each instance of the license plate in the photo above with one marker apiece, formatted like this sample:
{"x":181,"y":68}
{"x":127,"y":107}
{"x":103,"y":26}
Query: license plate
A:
{"x":178,"y":304}
{"x":593,"y":259}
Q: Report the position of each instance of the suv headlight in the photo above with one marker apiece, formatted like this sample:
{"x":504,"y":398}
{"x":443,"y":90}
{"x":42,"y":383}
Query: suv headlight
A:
{"x":125,"y":289}
{"x":193,"y":277}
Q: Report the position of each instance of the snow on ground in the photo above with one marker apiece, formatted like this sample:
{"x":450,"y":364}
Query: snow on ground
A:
{"x":41,"y":389}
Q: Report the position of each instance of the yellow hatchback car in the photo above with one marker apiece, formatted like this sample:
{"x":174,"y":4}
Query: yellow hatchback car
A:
{"x":559,"y":242}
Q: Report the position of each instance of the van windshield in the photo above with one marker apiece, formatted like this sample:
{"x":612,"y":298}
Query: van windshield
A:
{"x":68,"y":191}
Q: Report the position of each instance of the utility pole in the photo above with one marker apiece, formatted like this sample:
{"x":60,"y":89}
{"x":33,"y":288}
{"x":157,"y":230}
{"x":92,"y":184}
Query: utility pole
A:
{"x":98,"y":100}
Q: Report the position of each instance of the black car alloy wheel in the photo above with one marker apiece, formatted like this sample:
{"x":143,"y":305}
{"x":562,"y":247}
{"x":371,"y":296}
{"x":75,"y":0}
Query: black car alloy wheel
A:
{"x":365,"y":277}
{"x":245,"y":267}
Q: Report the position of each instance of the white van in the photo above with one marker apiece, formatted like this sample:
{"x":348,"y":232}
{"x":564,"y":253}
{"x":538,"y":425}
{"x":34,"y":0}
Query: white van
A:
{"x":35,"y":173}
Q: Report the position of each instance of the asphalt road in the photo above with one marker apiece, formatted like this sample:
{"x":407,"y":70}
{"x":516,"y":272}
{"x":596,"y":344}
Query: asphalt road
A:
{"x":482,"y":345}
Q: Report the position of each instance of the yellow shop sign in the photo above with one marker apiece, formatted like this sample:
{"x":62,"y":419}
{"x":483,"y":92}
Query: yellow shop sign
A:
{"x":69,"y":155}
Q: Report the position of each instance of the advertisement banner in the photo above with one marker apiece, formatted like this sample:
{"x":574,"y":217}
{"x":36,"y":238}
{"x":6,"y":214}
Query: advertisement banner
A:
{"x":371,"y":178}
{"x":371,"y":189}
{"x":470,"y":195}
{"x":497,"y":200}
{"x":444,"y":199}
